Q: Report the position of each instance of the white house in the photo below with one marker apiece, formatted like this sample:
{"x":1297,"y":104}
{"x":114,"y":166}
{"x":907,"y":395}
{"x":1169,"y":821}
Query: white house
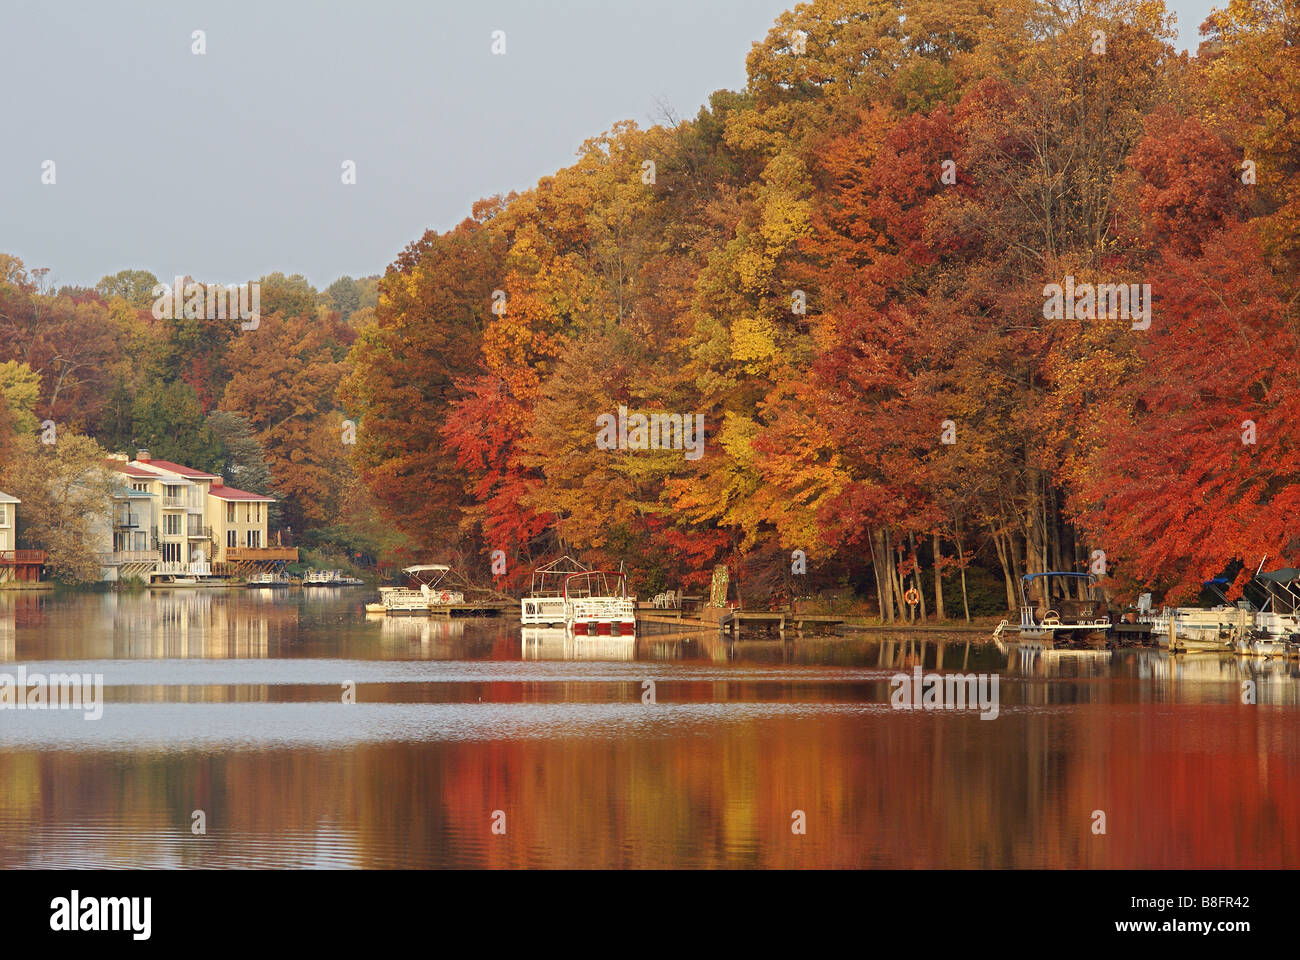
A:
{"x":8,"y":520}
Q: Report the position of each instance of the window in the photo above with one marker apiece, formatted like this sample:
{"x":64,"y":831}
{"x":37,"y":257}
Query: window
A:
{"x":171,"y":553}
{"x":140,"y":487}
{"x":254,"y":538}
{"x":4,"y":514}
{"x":232,"y":538}
{"x":172,"y":524}
{"x":230,"y":514}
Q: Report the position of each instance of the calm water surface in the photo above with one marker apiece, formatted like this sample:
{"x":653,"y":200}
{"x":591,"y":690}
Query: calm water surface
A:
{"x":231,"y":703}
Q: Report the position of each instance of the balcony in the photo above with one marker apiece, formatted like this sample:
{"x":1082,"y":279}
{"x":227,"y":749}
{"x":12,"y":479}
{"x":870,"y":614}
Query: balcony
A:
{"x":194,"y":569}
{"x":126,"y":521}
{"x":22,"y":556}
{"x":244,"y":554}
{"x":197,"y":531}
{"x":120,"y":557}
{"x":173,"y":503}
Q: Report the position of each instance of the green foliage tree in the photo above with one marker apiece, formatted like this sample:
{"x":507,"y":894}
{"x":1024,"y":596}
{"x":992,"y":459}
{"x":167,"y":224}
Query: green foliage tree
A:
{"x":20,"y":389}
{"x":133,"y":286}
{"x":168,"y":421}
{"x":67,"y":497}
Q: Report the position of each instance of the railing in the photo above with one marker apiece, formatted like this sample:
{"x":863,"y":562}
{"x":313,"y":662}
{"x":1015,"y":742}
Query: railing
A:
{"x":236,"y":554}
{"x":173,"y":502}
{"x":193,"y":530}
{"x":603,"y":608}
{"x":184,"y":569}
{"x":126,"y":521}
{"x":129,"y":556}
{"x":22,"y":556}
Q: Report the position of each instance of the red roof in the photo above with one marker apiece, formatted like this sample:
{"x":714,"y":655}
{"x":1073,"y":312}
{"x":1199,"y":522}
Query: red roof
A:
{"x":176,"y":468}
{"x":230,"y":493}
{"x":121,"y":466}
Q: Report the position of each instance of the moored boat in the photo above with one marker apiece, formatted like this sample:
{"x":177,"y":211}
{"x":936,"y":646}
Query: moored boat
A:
{"x":596,"y":602}
{"x":1054,"y":617}
{"x":544,"y":606}
{"x":269,"y":581}
{"x":426,"y":593}
{"x":329,"y":578}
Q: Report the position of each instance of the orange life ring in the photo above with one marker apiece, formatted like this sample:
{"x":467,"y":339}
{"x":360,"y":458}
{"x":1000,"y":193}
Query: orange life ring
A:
{"x":445,"y":596}
{"x":911,"y":598}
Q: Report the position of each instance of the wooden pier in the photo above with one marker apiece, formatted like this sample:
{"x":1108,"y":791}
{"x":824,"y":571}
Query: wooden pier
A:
{"x":780,"y":620}
{"x":483,"y":608}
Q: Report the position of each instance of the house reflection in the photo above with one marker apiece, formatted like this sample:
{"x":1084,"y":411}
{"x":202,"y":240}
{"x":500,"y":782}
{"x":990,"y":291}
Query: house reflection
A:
{"x":197,"y":623}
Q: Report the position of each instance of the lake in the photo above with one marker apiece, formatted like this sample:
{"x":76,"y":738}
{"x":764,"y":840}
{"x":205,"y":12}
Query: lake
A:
{"x":477,"y":743}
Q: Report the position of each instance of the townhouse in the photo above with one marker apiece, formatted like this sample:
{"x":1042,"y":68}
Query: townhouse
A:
{"x":171,"y":520}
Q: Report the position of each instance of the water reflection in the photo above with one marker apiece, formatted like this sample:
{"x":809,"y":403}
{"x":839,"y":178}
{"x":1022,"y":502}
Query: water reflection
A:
{"x":556,"y":643}
{"x":231,"y":701}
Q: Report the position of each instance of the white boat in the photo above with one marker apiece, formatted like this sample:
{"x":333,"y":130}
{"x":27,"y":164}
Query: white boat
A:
{"x":1056,"y":617}
{"x":267,"y":581}
{"x":544,"y":605}
{"x":329,"y":578}
{"x":425,"y":597}
{"x":1204,"y":628}
{"x":1273,"y":629}
{"x":596,"y":602}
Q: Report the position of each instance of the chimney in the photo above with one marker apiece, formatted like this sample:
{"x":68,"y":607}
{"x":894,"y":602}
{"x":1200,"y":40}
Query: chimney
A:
{"x":142,"y":456}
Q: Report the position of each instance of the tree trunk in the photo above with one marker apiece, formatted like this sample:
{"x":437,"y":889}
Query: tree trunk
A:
{"x":1004,"y":556}
{"x":880,"y":554}
{"x":886,"y":611}
{"x":938,"y":581}
{"x":916,"y":573}
{"x":965,"y":606}
{"x":904,"y":612}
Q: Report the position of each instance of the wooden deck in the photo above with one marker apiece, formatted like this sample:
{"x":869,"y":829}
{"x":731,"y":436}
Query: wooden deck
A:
{"x":736,"y":621}
{"x":470,"y":608}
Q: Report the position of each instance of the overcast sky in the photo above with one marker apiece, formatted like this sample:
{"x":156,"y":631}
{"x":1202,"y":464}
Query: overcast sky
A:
{"x":228,"y":166}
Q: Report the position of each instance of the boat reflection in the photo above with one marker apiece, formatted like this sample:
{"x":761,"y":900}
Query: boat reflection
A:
{"x":1035,"y":661}
{"x":557,"y":643}
{"x":417,"y":631}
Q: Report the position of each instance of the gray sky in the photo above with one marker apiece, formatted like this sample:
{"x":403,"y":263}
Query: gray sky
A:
{"x":227,"y":166}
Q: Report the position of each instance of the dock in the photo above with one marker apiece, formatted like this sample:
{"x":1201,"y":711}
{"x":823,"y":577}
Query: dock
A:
{"x":723,"y":620}
{"x":483,"y":608}
{"x":737,"y":620}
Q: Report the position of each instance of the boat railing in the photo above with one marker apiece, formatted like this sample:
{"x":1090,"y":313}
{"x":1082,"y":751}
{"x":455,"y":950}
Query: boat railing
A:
{"x":601,"y":608}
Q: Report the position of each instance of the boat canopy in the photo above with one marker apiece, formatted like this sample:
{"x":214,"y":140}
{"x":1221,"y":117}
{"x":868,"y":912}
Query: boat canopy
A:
{"x":1028,"y":578}
{"x":595,"y":583}
{"x":1285,"y":575}
{"x":427,"y":574}
{"x":548,"y":579}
